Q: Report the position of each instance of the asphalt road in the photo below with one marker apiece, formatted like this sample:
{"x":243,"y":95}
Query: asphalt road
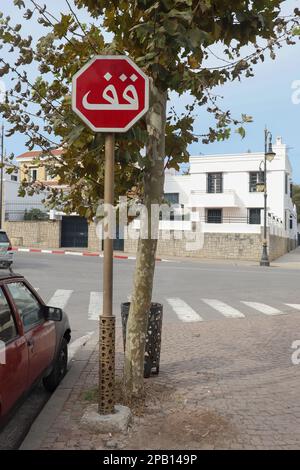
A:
{"x":76,"y":284}
{"x":189,"y":291}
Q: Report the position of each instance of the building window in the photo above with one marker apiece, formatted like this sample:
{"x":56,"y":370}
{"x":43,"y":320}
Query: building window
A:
{"x":291,"y":190}
{"x":214,"y":216}
{"x":14,"y":178}
{"x":254,"y":216}
{"x":49,"y":177}
{"x":291,"y":222}
{"x":171,"y":198}
{"x":253,"y":180}
{"x":214,"y":182}
{"x":285,"y":220}
{"x":33,"y":174}
{"x":286,"y":183}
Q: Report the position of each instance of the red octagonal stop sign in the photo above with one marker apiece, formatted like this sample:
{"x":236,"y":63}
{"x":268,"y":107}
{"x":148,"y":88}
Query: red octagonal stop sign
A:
{"x":110,"y":93}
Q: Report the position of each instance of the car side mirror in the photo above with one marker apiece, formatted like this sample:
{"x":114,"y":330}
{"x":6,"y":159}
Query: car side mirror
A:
{"x":53,"y":313}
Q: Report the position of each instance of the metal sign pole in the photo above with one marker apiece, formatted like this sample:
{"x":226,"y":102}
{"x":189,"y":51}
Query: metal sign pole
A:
{"x":103,"y":113}
{"x":107,"y":320}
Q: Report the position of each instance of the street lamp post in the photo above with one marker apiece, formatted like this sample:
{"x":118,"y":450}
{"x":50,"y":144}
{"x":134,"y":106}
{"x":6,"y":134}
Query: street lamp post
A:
{"x":268,"y":157}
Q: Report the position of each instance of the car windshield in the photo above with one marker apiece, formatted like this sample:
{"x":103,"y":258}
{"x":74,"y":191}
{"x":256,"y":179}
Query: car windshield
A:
{"x":3,"y":238}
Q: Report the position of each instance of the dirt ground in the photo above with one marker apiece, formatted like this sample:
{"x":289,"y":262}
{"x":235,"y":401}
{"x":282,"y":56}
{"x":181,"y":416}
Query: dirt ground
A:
{"x":166,"y":420}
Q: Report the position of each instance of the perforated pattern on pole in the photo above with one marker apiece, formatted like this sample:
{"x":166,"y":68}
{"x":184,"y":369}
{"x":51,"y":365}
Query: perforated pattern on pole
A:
{"x":107,"y":365}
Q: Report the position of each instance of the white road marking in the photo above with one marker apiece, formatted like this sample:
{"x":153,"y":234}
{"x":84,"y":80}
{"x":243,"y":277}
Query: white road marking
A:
{"x":46,"y":251}
{"x":24,"y":249}
{"x":77,"y":344}
{"x":95,"y":305}
{"x":263,"y":308}
{"x":60,"y":298}
{"x":223,"y":308}
{"x":295,"y":306}
{"x":75,"y":253}
{"x":183,"y":311}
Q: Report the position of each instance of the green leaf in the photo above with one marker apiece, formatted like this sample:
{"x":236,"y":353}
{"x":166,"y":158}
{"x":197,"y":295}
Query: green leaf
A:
{"x":19,"y":3}
{"x":61,"y":28}
{"x":241,"y":131}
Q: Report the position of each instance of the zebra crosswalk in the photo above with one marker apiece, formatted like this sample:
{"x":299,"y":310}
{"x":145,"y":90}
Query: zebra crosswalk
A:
{"x":263,"y":308}
{"x":175,"y":308}
{"x":95,"y":305}
{"x":60,"y":298}
{"x":224,"y":309}
{"x":183,"y":311}
{"x":295,"y":306}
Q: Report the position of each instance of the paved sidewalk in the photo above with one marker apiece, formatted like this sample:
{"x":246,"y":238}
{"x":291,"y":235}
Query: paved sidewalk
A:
{"x":290,"y":260}
{"x":227,"y":384}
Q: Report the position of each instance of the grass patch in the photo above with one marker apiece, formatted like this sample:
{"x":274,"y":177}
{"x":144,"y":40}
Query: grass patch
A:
{"x":91,"y":395}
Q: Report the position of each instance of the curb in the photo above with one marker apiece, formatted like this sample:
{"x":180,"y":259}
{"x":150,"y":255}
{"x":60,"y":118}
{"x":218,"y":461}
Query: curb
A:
{"x":76,"y":253}
{"x":53,"y":408}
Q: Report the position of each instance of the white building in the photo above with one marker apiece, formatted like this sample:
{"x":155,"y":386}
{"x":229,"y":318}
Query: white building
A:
{"x":226,"y":209}
{"x":223,"y":189}
{"x":13,"y":205}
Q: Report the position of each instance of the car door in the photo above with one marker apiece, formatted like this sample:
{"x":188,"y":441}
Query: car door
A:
{"x":39,"y":333}
{"x":13,"y":357}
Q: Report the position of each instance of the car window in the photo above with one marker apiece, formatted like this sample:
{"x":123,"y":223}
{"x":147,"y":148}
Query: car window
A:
{"x":8,"y":329}
{"x":28,"y":306}
{"x":3,"y":238}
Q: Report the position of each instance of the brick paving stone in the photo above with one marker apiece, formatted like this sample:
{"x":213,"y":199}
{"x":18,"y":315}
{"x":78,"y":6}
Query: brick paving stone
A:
{"x":229,"y":384}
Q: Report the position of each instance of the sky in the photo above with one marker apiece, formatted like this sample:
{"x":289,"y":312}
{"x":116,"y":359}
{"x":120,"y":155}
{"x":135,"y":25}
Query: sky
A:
{"x":267,"y":97}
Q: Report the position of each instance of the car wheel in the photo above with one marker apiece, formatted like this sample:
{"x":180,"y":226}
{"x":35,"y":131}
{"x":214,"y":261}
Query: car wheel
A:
{"x":59,"y":370}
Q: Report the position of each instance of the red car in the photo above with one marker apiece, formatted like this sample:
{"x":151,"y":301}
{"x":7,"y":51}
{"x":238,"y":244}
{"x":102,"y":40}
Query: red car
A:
{"x":33,"y":341}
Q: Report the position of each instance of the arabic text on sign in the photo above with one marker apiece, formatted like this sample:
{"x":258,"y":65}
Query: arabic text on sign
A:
{"x":110,"y":95}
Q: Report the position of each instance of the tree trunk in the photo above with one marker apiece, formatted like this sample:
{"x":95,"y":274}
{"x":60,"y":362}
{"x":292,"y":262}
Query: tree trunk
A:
{"x":145,"y":263}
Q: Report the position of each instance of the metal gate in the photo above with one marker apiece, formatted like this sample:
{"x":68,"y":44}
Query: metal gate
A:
{"x":118,"y":243}
{"x":74,"y":232}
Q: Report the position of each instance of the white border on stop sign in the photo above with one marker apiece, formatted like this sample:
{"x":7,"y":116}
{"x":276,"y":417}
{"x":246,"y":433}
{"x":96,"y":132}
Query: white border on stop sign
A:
{"x":84,"y":68}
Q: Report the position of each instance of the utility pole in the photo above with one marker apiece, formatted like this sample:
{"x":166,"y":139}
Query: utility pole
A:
{"x":1,"y":175}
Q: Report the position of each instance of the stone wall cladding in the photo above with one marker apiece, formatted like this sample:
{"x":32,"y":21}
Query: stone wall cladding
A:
{"x":278,"y":246}
{"x":94,"y":243}
{"x":216,"y":246}
{"x":34,"y":233}
{"x":243,"y":246}
{"x":44,"y":234}
{"x":47,"y":234}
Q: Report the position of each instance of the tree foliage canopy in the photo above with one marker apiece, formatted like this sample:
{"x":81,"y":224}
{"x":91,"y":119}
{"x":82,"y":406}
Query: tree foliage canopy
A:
{"x":183,"y":45}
